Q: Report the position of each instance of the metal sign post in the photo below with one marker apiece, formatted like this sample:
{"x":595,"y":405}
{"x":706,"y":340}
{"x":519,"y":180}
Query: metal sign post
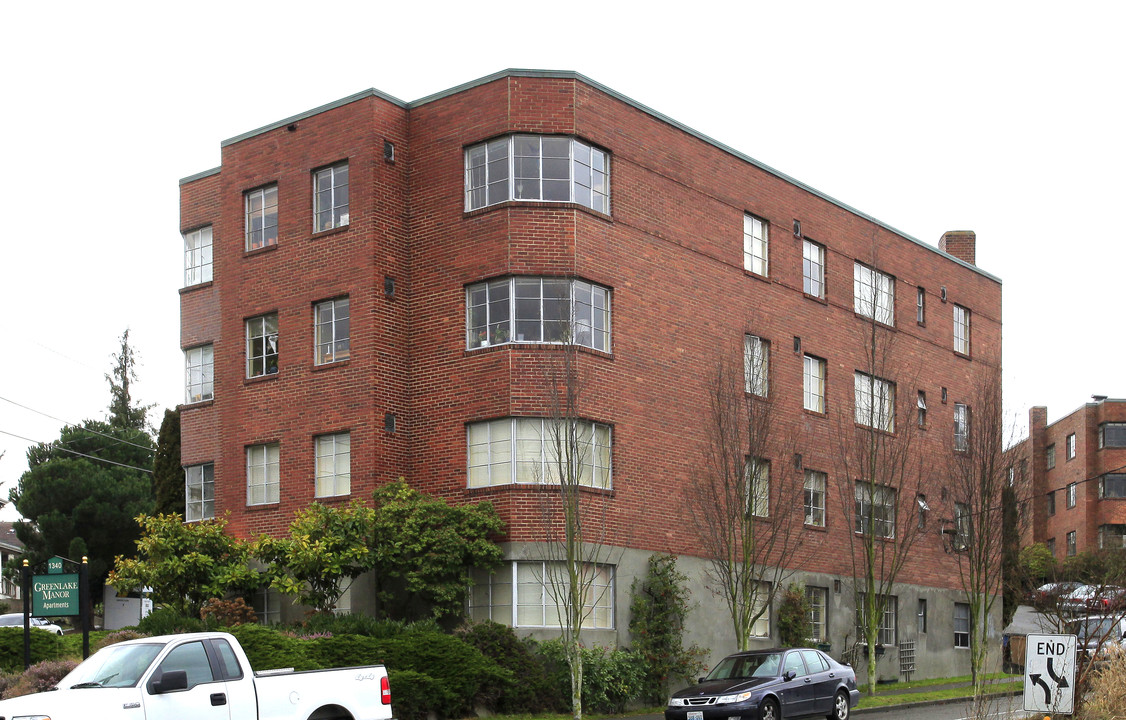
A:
{"x":1049,"y":674}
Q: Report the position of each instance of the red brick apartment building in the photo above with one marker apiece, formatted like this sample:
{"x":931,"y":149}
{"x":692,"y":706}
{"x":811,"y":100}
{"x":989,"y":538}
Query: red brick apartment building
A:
{"x":369,"y":291}
{"x":1076,"y":471}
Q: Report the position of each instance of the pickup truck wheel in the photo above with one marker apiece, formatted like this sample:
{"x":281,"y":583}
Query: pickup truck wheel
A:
{"x":332,"y":712}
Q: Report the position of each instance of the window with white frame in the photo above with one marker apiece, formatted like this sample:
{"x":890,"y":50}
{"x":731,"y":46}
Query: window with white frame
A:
{"x":197,"y":256}
{"x":1071,"y":494}
{"x":199,"y":492}
{"x":756,"y":365}
{"x":267,"y":605}
{"x":1071,"y":547}
{"x":755,"y":244}
{"x":527,"y":451}
{"x":875,"y":402}
{"x":331,"y":330}
{"x":538,"y":310}
{"x":333,"y":464}
{"x":961,"y":330}
{"x":199,"y":374}
{"x":818,"y":599}
{"x":761,"y":601}
{"x":263,"y":475}
{"x":539,"y":168}
{"x":1069,"y":447}
{"x":756,"y":476}
{"x":262,"y":345}
{"x":921,"y":306}
{"x":963,"y":527}
{"x":813,"y":384}
{"x":539,"y":586}
{"x":1112,"y":435}
{"x":330,"y":197}
{"x":961,"y":625}
{"x":261,"y":217}
{"x":921,"y":409}
{"x":961,"y":427}
{"x":814,"y":490}
{"x":888,"y":619}
{"x":813,"y":269}
{"x":873,"y":294}
{"x":875,"y":509}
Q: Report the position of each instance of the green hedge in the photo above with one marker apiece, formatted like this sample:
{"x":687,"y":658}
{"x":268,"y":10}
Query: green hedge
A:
{"x":44,"y":646}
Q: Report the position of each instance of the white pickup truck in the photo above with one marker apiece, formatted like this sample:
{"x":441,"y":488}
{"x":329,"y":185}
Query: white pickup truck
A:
{"x":202,"y":676}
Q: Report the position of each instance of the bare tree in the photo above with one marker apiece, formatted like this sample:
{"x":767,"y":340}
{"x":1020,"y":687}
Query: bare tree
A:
{"x":749,"y":508}
{"x":881,"y":472}
{"x":575,"y":504}
{"x":979,"y":471}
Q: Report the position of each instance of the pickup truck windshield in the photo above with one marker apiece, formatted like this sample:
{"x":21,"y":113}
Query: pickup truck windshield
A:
{"x":114,"y":666}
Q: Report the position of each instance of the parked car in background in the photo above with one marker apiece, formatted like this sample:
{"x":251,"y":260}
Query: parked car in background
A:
{"x":16,"y":620}
{"x":1051,"y":594}
{"x":1096,"y":635}
{"x":1094,"y":598}
{"x":768,"y":685}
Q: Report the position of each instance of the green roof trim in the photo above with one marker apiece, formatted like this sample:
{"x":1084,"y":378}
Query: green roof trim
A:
{"x":200,"y":175}
{"x":571,"y":75}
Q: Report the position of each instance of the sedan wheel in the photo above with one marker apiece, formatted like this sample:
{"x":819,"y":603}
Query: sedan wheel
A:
{"x":840,"y":707}
{"x":769,"y":710}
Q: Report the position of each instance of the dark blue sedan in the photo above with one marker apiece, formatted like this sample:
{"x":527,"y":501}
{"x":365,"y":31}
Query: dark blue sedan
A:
{"x":769,"y":685}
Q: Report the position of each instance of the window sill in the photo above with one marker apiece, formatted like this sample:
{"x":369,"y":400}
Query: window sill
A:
{"x":330,"y":365}
{"x":197,"y":286}
{"x":331,"y":231}
{"x":816,"y":298}
{"x":543,"y":204}
{"x":196,"y":404}
{"x":815,"y":528}
{"x":260,"y":251}
{"x":867,"y":319}
{"x":538,"y":347}
{"x":815,"y":413}
{"x":260,"y":378}
{"x":756,"y":276}
{"x":881,"y":431}
{"x":536,"y":488}
{"x":262,"y":507}
{"x":962,"y":355}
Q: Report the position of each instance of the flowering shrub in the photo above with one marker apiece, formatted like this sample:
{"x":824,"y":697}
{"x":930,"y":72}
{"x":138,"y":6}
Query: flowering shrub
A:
{"x":39,"y":677}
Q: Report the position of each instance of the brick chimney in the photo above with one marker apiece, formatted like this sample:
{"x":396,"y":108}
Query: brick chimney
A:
{"x":962,"y":244}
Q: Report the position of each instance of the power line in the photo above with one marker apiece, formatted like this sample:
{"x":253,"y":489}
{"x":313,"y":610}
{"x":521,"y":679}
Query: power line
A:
{"x":74,"y":452}
{"x":76,"y":425}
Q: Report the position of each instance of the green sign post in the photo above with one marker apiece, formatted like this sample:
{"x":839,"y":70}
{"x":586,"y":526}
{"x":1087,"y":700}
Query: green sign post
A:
{"x":56,"y":594}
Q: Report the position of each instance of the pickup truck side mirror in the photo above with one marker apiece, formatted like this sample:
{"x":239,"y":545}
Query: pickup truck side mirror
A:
{"x":171,"y":680}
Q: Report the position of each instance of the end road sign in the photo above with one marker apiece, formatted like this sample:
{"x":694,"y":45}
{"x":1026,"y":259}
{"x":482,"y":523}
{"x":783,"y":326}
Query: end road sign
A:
{"x":1049,"y":674}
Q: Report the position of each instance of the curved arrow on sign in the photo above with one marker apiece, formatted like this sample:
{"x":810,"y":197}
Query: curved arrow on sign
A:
{"x":1061,"y":679}
{"x":1035,"y":677}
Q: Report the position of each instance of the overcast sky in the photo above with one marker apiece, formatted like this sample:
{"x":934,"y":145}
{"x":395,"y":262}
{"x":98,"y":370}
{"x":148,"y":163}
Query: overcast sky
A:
{"x":1002,"y":118}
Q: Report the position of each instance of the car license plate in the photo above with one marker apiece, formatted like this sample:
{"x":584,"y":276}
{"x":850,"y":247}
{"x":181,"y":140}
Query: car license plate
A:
{"x":695,"y":715}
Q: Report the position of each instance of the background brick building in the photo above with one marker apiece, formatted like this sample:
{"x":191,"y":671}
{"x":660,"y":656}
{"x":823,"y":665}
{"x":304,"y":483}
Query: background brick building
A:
{"x":373,"y":288}
{"x":1076,"y":474}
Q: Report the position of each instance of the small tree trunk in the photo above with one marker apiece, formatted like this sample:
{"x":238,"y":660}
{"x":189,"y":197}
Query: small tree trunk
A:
{"x":575,"y":661}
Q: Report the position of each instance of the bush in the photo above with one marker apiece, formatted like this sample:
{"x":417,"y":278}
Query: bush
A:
{"x":793,"y":617}
{"x":611,"y":678}
{"x":1106,"y":696}
{"x":169,"y":621}
{"x":115,"y":637}
{"x":415,"y":695}
{"x":268,"y":649}
{"x":7,"y":680}
{"x":39,"y":677}
{"x":529,"y":690}
{"x":350,"y":624}
{"x":225,"y":613}
{"x":44,"y":646}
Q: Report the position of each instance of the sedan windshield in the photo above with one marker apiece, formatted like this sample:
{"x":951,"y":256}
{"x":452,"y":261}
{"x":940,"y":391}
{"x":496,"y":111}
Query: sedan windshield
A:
{"x":114,"y":666}
{"x":747,"y":666}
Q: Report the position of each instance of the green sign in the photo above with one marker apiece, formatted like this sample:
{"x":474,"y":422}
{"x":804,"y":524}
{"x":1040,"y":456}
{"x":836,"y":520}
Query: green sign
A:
{"x":55,"y":593}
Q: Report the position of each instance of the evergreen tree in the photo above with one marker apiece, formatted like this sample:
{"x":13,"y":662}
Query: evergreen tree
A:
{"x":122,"y":412}
{"x":167,"y":474}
